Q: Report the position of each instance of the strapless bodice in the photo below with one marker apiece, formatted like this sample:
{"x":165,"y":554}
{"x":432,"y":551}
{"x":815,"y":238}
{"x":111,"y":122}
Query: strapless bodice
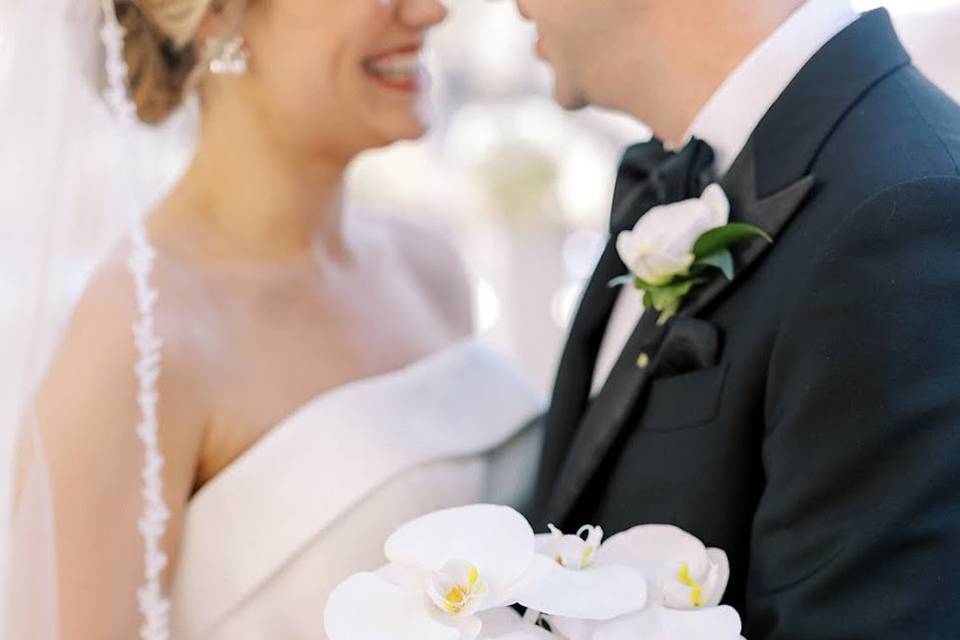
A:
{"x":266,"y":540}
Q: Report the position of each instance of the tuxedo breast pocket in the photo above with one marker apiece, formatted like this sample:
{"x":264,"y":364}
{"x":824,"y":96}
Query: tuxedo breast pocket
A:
{"x":686,"y":400}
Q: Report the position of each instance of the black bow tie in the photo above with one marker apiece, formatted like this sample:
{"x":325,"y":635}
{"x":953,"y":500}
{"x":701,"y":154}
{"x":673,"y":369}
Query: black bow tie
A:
{"x":651,"y":175}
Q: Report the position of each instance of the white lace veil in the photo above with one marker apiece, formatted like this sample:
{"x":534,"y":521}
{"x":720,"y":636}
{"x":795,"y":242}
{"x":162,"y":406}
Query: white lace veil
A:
{"x":72,"y":183}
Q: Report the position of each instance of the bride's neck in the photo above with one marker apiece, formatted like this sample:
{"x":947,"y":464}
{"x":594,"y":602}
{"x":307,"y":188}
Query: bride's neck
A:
{"x":246,"y":195}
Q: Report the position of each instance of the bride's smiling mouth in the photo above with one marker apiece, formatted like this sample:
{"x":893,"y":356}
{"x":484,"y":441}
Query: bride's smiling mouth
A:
{"x":399,"y":69}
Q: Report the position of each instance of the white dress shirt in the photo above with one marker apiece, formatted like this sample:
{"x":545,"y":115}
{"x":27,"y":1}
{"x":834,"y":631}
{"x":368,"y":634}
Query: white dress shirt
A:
{"x":728,"y":119}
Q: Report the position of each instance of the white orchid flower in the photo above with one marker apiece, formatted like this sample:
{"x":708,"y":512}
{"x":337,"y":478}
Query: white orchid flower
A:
{"x":445,"y":568}
{"x":682,"y":572}
{"x":686,"y":582}
{"x":660,"y":246}
{"x":583,"y":583}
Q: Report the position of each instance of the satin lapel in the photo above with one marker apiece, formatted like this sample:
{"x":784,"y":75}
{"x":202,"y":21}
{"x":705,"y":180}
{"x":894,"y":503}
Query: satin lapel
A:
{"x":613,"y":406}
{"x":571,"y":392}
{"x":771,"y":214}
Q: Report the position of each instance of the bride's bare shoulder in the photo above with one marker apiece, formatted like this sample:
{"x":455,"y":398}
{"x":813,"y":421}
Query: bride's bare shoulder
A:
{"x":91,"y":375}
{"x":438,"y":264}
{"x":87,"y":412}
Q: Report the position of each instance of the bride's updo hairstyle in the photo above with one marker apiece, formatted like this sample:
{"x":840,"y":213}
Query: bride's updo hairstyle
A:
{"x":160,"y":51}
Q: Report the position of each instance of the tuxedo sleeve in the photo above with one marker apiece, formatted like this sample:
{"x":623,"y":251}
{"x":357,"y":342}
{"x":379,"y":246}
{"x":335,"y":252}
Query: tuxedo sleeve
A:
{"x":857,"y":532}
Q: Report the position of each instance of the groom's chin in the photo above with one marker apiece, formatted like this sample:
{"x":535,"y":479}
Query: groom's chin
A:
{"x":570,"y":100}
{"x":568,"y":94}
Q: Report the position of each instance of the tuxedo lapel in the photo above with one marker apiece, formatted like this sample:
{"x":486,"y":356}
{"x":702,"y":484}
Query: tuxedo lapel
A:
{"x":642,"y":183}
{"x":572,"y":388}
{"x":684,"y":343}
{"x":771,"y":214}
{"x":767,"y":185}
{"x":770,"y":180}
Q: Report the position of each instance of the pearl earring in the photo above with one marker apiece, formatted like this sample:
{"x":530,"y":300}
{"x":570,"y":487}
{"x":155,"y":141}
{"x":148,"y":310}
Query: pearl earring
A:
{"x":228,"y":57}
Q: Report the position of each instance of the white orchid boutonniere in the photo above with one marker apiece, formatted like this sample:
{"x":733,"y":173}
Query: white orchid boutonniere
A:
{"x":677,"y":247}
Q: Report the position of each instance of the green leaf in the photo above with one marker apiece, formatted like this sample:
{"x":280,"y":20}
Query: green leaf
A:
{"x":666,"y":314}
{"x":647,"y":300}
{"x":722,"y":260}
{"x":643,"y":285}
{"x":723,"y":237}
{"x":667,"y":298}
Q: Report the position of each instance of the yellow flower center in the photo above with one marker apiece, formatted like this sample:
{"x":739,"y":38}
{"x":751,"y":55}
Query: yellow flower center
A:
{"x":576,"y":552}
{"x":696,"y":589}
{"x":457,"y":588}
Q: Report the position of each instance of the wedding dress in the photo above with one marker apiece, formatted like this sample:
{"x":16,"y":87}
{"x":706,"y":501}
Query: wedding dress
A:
{"x":267,"y":540}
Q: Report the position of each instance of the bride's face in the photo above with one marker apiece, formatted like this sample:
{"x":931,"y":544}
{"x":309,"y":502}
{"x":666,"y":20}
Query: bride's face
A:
{"x":342,"y":75}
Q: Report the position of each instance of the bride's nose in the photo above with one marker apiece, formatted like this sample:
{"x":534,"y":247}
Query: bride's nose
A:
{"x":422,"y":14}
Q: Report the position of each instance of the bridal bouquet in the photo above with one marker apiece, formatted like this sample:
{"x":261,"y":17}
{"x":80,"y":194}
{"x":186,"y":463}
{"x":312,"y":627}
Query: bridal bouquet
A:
{"x":454,"y":574}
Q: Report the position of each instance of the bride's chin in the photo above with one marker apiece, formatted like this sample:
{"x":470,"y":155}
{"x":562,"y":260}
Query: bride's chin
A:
{"x":414,"y":124}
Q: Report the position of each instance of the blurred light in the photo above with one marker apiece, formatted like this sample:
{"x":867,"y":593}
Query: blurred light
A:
{"x":585,"y":182}
{"x":487,"y":307}
{"x":564,"y":304}
{"x":539,"y":121}
{"x":581,"y":251}
{"x":473,"y":134}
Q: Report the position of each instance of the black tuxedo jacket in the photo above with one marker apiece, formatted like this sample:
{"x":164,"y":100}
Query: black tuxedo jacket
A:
{"x":806,"y":416}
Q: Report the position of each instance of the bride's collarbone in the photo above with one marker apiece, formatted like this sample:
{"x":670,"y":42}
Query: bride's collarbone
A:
{"x":264,"y":364}
{"x":253,"y":344}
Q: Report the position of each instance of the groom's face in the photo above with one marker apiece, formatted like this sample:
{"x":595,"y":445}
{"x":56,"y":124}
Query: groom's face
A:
{"x":592,"y":44}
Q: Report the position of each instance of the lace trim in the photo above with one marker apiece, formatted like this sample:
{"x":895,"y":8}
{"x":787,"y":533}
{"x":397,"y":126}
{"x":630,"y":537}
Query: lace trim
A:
{"x":112,"y":35}
{"x":152,"y":524}
{"x":154,"y":605}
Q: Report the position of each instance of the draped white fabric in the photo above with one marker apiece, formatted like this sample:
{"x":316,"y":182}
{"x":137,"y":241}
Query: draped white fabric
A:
{"x":69,"y":189}
{"x":266,"y":541}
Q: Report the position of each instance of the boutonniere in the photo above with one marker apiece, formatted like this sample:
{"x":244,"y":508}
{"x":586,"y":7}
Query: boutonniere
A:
{"x":675,"y":248}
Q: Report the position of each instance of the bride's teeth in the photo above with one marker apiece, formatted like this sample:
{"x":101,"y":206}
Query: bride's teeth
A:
{"x":394,"y":67}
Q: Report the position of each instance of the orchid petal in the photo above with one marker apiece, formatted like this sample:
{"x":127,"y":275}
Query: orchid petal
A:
{"x":368,"y":607}
{"x":660,"y":623}
{"x":629,"y":247}
{"x":403,"y":576}
{"x":539,"y":570}
{"x":601,"y":592}
{"x":715,"y":198}
{"x":656,"y":550}
{"x":574,"y":629}
{"x":497,"y":540}
{"x":469,"y":627}
{"x":719,"y":578}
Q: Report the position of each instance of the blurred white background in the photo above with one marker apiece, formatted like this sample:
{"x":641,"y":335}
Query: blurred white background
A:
{"x":523,"y":188}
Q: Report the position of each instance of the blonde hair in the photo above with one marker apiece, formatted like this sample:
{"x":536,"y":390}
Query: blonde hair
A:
{"x":160,"y":52}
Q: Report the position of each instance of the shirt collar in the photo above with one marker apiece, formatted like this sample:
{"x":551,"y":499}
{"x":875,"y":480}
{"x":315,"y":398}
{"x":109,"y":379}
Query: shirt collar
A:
{"x":728,"y":119}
